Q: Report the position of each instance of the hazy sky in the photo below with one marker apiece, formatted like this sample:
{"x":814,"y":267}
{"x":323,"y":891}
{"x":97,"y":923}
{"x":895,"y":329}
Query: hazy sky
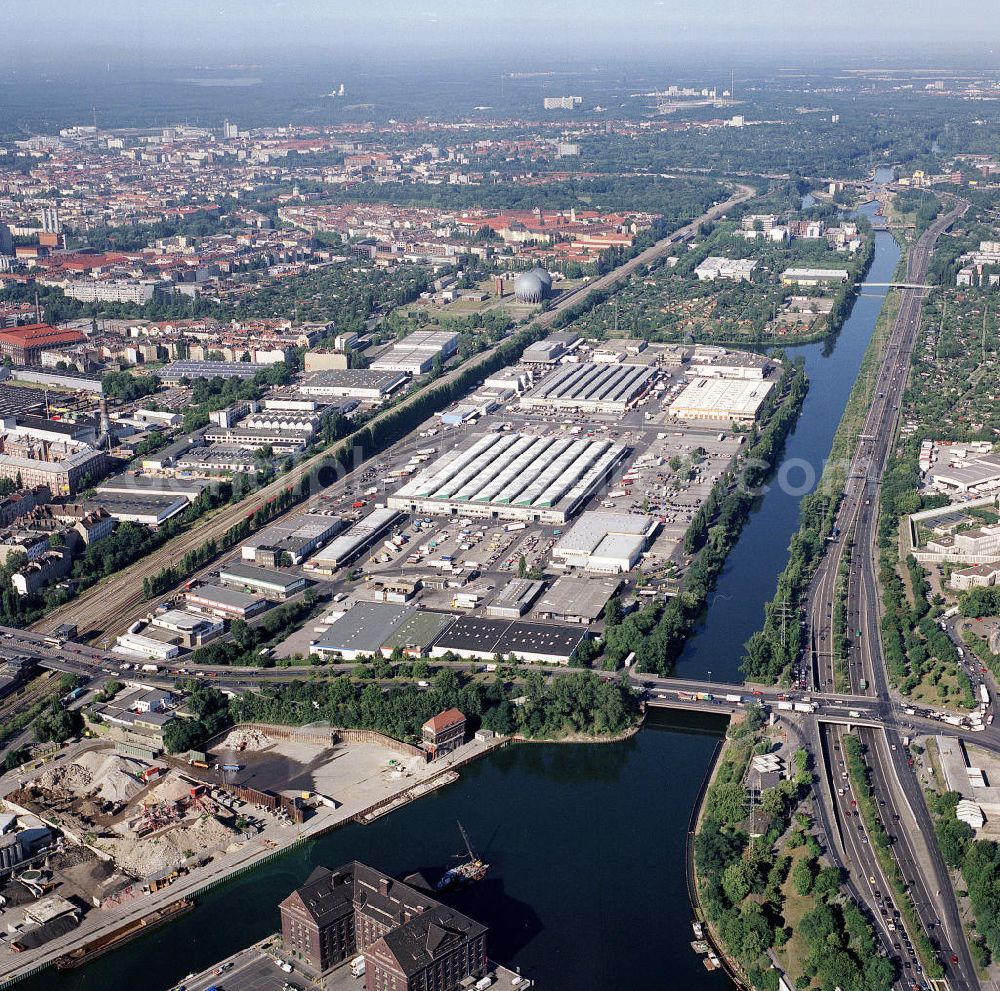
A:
{"x":781,"y":29}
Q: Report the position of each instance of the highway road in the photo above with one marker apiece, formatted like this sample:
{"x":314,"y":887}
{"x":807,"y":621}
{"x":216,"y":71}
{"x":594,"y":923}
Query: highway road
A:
{"x":857,"y":520}
{"x":116,"y":602}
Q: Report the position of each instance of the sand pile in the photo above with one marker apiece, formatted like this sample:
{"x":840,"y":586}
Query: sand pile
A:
{"x":242,"y":738}
{"x":98,"y":774}
{"x":147,"y":857}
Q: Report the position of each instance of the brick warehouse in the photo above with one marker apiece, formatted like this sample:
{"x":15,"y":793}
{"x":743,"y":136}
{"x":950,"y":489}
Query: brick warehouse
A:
{"x":409,"y":940}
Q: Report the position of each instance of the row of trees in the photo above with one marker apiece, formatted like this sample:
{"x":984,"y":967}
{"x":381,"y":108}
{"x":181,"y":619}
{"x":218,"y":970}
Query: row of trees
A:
{"x":657,"y":633}
{"x":979,"y":862}
{"x":575,"y":703}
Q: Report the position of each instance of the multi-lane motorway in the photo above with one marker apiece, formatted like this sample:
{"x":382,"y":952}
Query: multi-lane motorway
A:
{"x":896,"y":788}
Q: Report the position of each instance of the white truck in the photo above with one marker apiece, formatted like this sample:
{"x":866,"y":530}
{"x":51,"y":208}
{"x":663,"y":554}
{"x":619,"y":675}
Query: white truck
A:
{"x":738,"y":699}
{"x":786,"y":706}
{"x":151,"y":668}
{"x":358,"y":967}
{"x":804,"y":707}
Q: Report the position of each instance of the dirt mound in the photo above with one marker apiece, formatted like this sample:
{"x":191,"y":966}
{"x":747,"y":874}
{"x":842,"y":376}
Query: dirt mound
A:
{"x":94,"y":774}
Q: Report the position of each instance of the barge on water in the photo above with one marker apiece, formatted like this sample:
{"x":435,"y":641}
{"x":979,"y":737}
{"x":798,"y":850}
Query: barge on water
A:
{"x":88,"y":951}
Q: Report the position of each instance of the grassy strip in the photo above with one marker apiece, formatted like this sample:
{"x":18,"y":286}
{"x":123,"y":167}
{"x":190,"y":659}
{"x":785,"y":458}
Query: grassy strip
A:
{"x":840,"y":637}
{"x":864,"y":794}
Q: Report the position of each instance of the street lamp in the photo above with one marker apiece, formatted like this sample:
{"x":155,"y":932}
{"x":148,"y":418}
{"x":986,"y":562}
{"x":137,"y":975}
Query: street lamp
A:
{"x":710,"y":677}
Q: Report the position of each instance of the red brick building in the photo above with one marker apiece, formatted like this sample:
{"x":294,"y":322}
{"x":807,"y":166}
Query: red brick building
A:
{"x":443,"y":733}
{"x":410,"y":942}
{"x":24,"y":345}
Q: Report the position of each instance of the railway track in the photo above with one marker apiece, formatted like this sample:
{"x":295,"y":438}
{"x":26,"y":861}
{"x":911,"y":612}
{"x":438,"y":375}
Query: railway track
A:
{"x":115,"y":602}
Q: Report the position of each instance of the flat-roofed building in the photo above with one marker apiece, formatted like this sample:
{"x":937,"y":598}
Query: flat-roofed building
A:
{"x":356,"y":383}
{"x":415,"y":635}
{"x":349,"y":546}
{"x":575,"y":599}
{"x":264,"y":581}
{"x":606,"y":543}
{"x":191,"y":630}
{"x":177,"y":370}
{"x":296,"y":536}
{"x":363,"y":629}
{"x":515,"y":598}
{"x":485,"y":639}
{"x":151,"y":485}
{"x":512,"y":476}
{"x":227,"y":602}
{"x":714,"y":362}
{"x":149,"y":510}
{"x":731,"y":400}
{"x":735,"y":269}
{"x":591,"y":387}
{"x":813,"y":276}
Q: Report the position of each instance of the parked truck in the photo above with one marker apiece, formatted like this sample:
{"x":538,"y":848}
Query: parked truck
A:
{"x":151,"y":668}
{"x":358,"y":966}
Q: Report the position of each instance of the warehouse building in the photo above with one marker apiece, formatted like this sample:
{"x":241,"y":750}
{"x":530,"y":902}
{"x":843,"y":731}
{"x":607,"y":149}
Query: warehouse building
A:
{"x":148,"y":510}
{"x":592,"y":387}
{"x":263,"y":581}
{"x":218,"y":460}
{"x":573,"y":599}
{"x":551,"y":349}
{"x":416,"y":352}
{"x":349,"y":546}
{"x":731,"y":400}
{"x":370,"y":628}
{"x":813,"y":276}
{"x":177,"y":370}
{"x":296,"y":536}
{"x":486,"y":639}
{"x":512,"y":476}
{"x":714,"y":362}
{"x":514,"y":599}
{"x":355,"y":383}
{"x":190,"y":630}
{"x":150,"y":485}
{"x":225,"y":602}
{"x":606,"y":543}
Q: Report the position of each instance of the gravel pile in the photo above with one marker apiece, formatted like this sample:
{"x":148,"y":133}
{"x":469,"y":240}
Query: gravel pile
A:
{"x":246,"y":739}
{"x":98,"y":774}
{"x":148,"y":857}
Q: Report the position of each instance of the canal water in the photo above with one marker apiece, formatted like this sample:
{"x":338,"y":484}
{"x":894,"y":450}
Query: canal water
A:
{"x":586,"y":843}
{"x":735,"y":608}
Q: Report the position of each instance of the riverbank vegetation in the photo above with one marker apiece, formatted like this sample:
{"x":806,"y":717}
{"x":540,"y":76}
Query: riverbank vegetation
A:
{"x":579,"y":704}
{"x":771,"y":651}
{"x":764,"y":884}
{"x":657,"y":632}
